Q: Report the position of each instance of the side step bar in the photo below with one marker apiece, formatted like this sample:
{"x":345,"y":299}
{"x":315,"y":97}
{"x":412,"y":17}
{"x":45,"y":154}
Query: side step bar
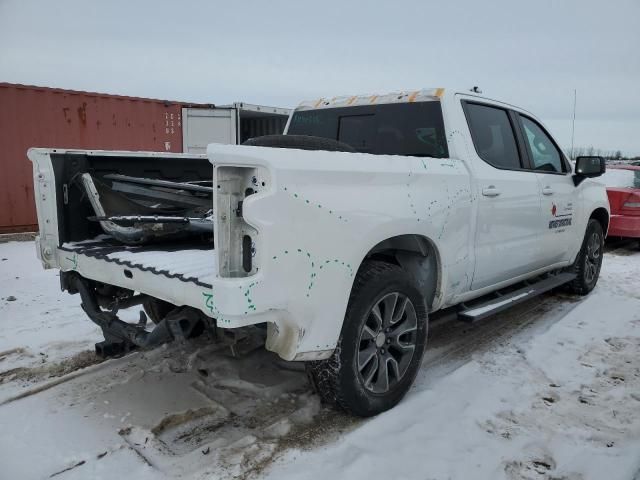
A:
{"x":495,"y":305}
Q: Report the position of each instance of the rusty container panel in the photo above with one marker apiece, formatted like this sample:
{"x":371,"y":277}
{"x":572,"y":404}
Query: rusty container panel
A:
{"x":47,"y":117}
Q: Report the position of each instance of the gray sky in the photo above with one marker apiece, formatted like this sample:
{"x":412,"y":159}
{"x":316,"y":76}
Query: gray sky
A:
{"x":532,"y":54}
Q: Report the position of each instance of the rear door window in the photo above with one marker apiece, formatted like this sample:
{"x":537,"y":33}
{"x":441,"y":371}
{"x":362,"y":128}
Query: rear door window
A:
{"x":493,"y":136}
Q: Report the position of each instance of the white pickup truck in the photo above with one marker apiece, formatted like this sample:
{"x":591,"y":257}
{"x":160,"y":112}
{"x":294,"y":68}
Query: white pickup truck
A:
{"x":334,"y":241}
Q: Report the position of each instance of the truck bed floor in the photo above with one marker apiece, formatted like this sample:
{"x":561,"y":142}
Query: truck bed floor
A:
{"x":193,"y":263}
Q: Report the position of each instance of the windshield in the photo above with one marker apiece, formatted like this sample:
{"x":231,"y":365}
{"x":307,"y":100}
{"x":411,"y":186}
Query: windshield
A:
{"x":415,"y":129}
{"x":621,"y":178}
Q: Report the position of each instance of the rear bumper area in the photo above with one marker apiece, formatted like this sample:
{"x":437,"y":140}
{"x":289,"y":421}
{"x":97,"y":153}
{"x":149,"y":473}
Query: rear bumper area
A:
{"x":167,"y":275}
{"x":184,"y":275}
{"x":624,"y":226}
{"x":188,"y":277}
{"x":181,"y":277}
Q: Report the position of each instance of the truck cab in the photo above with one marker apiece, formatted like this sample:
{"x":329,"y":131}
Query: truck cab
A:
{"x":526,"y":197}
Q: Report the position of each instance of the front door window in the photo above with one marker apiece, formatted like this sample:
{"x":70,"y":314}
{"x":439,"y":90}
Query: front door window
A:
{"x":544,"y":154}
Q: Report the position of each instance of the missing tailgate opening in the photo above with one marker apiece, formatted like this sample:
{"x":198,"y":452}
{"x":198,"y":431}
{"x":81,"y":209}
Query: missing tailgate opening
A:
{"x":134,"y":200}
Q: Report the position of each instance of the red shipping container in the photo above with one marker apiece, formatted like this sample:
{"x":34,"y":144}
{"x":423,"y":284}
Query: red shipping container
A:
{"x":48,"y":117}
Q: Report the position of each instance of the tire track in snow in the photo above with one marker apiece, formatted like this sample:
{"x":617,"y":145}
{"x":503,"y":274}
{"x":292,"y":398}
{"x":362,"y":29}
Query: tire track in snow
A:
{"x":451,"y":345}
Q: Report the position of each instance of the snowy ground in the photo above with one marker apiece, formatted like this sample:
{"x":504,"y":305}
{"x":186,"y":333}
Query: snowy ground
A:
{"x":547,"y":390}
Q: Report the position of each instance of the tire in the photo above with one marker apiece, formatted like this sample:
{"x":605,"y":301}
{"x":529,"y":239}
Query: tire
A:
{"x":157,"y":309}
{"x":300,"y":142}
{"x":372,"y":343}
{"x":589,"y":260}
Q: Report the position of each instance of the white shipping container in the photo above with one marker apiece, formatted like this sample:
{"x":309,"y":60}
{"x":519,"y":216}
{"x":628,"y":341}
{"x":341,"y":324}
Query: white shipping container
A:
{"x":229,"y":124}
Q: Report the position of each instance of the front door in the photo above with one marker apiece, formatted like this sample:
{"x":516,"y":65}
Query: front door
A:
{"x":559,"y":205}
{"x":507,"y":242}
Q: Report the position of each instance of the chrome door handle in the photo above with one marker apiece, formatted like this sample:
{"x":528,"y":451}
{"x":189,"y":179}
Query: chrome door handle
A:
{"x":491,"y":191}
{"x":547,"y":191}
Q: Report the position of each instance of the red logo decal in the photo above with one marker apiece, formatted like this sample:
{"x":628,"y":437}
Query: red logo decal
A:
{"x":553,"y":209}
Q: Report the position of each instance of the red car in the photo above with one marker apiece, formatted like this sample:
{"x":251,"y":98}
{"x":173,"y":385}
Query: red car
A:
{"x":623,"y":189}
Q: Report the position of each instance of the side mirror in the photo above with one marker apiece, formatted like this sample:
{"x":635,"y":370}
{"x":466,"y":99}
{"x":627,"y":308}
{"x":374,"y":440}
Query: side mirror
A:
{"x":588,"y":167}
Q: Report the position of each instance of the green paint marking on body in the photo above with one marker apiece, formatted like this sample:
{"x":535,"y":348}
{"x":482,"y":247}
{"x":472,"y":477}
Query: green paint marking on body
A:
{"x":309,"y":202}
{"x":210,"y":305}
{"x":208,"y":302}
{"x":313,"y":273}
{"x":74,"y":261}
{"x":247,"y":293}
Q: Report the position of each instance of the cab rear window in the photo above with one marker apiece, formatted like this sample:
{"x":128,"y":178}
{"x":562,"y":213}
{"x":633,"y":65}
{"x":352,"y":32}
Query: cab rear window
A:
{"x":412,"y":129}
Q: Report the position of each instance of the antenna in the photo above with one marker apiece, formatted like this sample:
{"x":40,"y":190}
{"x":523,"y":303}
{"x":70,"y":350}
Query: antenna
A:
{"x":573,"y":123}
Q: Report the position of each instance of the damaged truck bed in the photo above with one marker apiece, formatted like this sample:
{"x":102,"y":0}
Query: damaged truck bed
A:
{"x":145,"y":238}
{"x":142,"y":210}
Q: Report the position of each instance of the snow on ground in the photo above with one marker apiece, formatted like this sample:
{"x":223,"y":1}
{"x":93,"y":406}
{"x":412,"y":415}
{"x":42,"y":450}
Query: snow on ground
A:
{"x":40,"y":327}
{"x":547,"y":390}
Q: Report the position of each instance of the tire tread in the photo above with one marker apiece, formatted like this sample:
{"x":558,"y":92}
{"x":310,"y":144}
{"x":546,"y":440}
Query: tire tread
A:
{"x":578,"y":285}
{"x":324,"y":375}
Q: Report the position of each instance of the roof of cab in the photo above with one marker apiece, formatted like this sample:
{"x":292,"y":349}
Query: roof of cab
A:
{"x":427,"y":94}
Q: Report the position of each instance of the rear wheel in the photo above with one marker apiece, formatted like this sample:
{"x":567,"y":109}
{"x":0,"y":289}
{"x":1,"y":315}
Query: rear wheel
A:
{"x":589,"y":261}
{"x":381,"y":345}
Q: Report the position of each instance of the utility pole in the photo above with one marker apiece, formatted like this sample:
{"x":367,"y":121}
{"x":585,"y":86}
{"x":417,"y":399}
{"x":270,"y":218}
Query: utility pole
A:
{"x":573,"y":123}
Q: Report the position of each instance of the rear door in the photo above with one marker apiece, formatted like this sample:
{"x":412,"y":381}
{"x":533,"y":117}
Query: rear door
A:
{"x":202,"y":126}
{"x":508,"y":238}
{"x":559,"y":194}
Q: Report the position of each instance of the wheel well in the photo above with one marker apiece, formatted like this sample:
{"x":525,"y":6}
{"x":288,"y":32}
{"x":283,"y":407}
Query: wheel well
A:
{"x":601,"y":215}
{"x":417,"y":255}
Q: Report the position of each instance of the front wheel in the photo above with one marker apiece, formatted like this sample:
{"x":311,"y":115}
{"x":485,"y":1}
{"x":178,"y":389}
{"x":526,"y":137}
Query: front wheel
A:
{"x":381,"y":345}
{"x":589,"y":260}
